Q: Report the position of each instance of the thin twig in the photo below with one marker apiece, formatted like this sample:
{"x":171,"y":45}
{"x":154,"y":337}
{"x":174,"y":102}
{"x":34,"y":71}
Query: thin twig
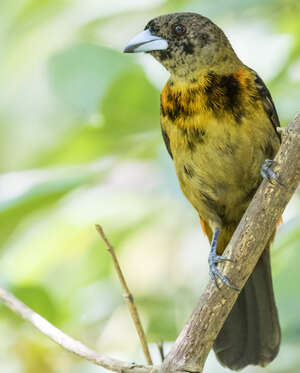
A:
{"x":68,"y":342}
{"x":128,"y":297}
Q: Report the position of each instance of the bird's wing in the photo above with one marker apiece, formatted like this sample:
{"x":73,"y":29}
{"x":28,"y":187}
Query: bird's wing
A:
{"x":167,"y":142}
{"x":267,"y":101}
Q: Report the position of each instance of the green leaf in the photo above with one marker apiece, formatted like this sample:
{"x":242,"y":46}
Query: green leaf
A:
{"x":39,"y":194}
{"x":131,"y":105}
{"x":81,"y":74}
{"x":129,"y":123}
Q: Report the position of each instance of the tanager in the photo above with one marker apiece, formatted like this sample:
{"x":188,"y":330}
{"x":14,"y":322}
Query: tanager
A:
{"x":218,"y":123}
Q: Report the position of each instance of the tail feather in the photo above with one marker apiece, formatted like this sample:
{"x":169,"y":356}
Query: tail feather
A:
{"x":251,"y":334}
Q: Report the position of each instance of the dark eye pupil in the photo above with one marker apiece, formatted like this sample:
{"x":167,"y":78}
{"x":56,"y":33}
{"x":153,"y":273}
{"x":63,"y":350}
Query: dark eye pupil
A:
{"x":179,"y":29}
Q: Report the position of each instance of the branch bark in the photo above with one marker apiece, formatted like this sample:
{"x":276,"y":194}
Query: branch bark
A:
{"x":192,"y":346}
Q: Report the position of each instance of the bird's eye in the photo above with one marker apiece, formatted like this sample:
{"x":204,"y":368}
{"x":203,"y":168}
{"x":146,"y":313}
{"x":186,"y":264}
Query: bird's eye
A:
{"x":179,"y":29}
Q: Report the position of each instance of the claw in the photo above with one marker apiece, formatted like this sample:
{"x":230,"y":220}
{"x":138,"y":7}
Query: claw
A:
{"x":214,"y":259}
{"x":267,"y":173}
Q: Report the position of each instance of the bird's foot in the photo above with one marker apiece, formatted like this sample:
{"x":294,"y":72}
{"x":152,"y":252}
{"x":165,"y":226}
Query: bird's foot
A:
{"x":267,"y":172}
{"x":214,"y":272}
{"x":214,"y":259}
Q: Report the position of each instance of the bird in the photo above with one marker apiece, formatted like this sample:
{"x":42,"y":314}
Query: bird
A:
{"x":219,"y":124}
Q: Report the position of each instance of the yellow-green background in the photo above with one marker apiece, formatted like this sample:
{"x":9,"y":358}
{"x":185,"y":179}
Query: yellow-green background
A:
{"x":80,"y":144}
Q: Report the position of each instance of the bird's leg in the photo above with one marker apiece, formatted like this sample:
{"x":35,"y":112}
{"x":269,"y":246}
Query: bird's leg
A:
{"x":214,"y":259}
{"x":267,"y":172}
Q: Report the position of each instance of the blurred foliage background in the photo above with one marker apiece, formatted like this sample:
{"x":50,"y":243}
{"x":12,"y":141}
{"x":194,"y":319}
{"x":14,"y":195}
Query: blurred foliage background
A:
{"x":80,"y":144}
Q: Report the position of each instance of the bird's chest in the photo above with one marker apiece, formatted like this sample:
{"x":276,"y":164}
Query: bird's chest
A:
{"x":216,"y":165}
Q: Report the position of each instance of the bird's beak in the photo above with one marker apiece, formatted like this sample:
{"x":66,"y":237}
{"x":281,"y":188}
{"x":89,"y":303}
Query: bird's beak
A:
{"x":146,"y":42}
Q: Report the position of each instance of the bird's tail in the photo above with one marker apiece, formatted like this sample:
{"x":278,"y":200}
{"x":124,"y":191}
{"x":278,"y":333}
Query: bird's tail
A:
{"x":251,"y":334}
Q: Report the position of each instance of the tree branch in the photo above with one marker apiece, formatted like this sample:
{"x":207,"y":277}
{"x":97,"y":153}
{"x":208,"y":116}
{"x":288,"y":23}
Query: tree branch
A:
{"x":68,"y":342}
{"x":192,"y":346}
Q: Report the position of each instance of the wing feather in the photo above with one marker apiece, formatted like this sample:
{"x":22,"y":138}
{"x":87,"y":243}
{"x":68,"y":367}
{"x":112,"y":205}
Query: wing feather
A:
{"x":268,"y":103}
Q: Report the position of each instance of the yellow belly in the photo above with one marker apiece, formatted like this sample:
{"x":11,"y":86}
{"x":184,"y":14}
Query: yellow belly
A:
{"x":218,"y":164}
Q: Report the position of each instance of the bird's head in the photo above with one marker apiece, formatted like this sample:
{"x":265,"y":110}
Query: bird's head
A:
{"x":185,"y":44}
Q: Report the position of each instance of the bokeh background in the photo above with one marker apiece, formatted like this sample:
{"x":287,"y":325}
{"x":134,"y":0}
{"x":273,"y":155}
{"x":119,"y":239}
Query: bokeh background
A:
{"x":80,"y":144}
